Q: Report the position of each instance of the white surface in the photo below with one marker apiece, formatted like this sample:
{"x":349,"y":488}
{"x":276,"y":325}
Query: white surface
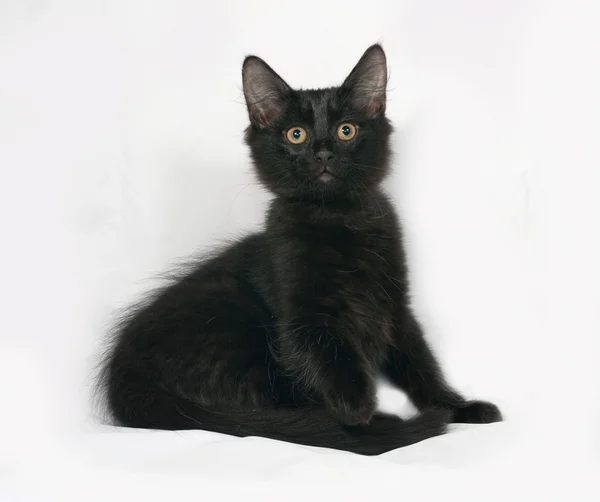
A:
{"x":469,"y":463}
{"x":120,"y":151}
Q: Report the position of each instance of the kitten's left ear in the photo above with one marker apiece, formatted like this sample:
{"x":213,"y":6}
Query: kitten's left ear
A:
{"x":264,"y":90}
{"x":367,"y":81}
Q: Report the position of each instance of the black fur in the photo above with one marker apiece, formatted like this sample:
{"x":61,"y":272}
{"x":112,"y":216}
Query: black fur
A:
{"x":283,"y":333}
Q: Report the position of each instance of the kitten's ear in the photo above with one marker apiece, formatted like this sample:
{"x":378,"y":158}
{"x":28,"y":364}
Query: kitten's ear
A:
{"x":367,"y":82}
{"x":264,"y":90}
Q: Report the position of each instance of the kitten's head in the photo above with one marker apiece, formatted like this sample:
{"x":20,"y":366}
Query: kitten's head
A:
{"x":324,"y":143}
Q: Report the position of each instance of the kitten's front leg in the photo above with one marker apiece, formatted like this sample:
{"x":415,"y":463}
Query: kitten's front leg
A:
{"x":412,"y":366}
{"x":326,"y":364}
{"x":315,"y":331}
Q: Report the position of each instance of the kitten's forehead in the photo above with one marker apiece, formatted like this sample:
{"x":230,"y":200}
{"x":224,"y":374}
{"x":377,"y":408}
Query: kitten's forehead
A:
{"x":322,"y":106}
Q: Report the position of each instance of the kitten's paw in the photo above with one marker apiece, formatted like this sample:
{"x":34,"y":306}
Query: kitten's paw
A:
{"x":477,"y":412}
{"x":352,"y":413}
{"x":353,"y":405}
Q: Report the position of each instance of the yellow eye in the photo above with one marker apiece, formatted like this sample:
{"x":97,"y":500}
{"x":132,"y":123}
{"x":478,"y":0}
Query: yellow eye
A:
{"x":296,"y":135}
{"x":346,"y":131}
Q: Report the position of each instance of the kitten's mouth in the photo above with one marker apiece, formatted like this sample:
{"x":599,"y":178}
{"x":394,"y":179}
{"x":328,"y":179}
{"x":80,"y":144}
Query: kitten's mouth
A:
{"x":325,"y":176}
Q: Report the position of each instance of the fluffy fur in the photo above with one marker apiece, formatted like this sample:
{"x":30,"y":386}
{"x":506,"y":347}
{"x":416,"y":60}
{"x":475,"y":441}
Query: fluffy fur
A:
{"x":283,"y":333}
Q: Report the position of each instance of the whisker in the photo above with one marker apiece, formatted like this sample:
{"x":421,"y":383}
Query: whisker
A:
{"x":366,"y":166}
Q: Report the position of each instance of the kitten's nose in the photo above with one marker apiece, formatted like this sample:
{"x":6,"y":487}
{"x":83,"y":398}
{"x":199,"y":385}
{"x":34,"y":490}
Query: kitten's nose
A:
{"x":324,"y":157}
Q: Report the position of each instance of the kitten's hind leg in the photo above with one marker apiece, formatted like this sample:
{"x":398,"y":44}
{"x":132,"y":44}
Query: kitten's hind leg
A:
{"x":412,"y":366}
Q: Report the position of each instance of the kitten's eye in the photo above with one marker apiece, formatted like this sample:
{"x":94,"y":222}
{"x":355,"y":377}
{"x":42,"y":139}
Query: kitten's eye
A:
{"x":296,"y":135}
{"x":346,"y":131}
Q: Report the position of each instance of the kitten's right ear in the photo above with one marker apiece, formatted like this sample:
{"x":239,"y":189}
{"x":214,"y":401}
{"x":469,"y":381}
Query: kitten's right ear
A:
{"x":264,"y":90}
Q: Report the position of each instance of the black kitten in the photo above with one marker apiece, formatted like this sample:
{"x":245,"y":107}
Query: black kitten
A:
{"x":282,"y":334}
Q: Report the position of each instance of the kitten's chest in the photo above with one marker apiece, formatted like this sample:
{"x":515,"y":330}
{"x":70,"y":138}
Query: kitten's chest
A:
{"x":364,"y":257}
{"x":348,"y":264}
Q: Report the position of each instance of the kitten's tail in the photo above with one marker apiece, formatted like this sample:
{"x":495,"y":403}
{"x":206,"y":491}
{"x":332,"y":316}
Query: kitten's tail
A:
{"x":312,"y":426}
